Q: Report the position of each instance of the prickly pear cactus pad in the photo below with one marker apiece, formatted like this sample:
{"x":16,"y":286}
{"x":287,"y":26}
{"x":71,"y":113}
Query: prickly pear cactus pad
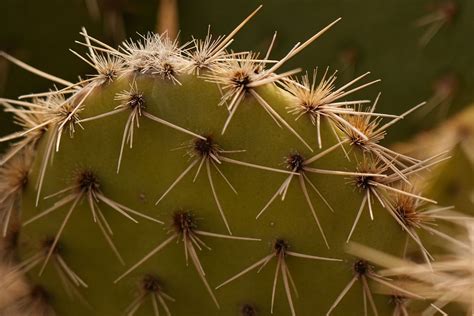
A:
{"x":191,"y":179}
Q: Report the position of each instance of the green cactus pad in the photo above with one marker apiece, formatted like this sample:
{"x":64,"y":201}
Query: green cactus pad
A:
{"x":238,"y":197}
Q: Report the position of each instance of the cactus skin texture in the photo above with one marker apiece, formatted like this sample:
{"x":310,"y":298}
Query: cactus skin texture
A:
{"x":198,"y":124}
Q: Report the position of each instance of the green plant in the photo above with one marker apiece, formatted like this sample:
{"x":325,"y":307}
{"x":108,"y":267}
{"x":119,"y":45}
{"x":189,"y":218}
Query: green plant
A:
{"x":205,"y":123}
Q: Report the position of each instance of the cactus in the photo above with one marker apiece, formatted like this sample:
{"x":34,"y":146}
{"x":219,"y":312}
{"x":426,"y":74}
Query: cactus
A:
{"x":448,"y":282}
{"x":38,"y":47}
{"x":195,"y":180}
{"x":387,"y":41}
{"x":451,"y":182}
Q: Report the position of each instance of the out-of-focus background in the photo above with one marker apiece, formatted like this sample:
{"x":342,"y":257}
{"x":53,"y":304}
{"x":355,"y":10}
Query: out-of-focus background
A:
{"x":422,"y":50}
